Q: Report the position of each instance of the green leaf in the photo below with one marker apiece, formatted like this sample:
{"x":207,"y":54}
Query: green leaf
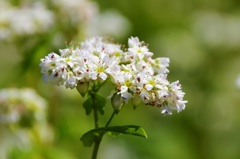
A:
{"x":88,"y":104}
{"x":100,"y":103}
{"x":96,"y":134}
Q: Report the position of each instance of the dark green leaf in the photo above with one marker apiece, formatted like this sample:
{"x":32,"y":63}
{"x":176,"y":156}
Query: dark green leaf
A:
{"x":91,"y":136}
{"x":100,"y":103}
{"x":88,"y":104}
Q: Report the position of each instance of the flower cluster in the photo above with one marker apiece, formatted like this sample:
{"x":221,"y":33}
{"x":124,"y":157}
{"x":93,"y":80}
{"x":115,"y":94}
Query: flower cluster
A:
{"x":24,"y":20}
{"x":134,"y":72}
{"x":21,"y":108}
{"x":23,"y":112}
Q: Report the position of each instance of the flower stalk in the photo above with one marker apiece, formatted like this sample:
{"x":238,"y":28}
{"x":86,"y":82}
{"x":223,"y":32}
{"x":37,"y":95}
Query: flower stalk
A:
{"x":99,"y":138}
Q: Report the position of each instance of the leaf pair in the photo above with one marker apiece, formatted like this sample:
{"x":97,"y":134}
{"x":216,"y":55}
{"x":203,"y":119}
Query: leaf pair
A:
{"x":99,"y":104}
{"x":91,"y":136}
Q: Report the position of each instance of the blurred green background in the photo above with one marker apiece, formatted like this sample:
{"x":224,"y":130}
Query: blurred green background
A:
{"x":202,"y":40}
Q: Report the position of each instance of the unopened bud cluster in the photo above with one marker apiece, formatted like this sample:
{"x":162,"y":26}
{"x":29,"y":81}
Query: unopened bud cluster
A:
{"x":134,"y":72}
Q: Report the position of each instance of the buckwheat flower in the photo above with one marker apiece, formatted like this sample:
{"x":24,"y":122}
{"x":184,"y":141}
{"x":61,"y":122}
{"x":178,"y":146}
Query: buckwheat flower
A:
{"x":160,"y":65}
{"x":134,"y":42}
{"x":100,"y":66}
{"x":124,"y":84}
{"x":70,"y":81}
{"x":137,"y":49}
{"x":49,"y":67}
{"x":174,"y":99}
{"x":145,"y":96}
{"x":115,"y":52}
{"x":143,"y":67}
{"x":152,"y":82}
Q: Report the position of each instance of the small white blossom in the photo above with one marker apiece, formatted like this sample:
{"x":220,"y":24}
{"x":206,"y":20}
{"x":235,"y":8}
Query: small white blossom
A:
{"x":160,"y":65}
{"x":137,"y":49}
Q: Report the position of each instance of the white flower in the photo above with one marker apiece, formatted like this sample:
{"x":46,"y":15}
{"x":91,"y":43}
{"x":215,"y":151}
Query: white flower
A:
{"x":71,"y":80}
{"x":100,"y":66}
{"x":136,"y":50}
{"x":134,"y":42}
{"x":174,"y":99}
{"x":124,"y":84}
{"x":154,"y":82}
{"x":160,"y":65}
{"x":125,"y":94}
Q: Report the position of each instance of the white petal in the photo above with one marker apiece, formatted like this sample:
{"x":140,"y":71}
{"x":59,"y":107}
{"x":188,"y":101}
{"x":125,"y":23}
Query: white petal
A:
{"x":103,"y":76}
{"x":149,"y":87}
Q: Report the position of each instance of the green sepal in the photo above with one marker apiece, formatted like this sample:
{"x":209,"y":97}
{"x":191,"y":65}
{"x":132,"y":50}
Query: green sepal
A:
{"x":82,"y":88}
{"x":96,"y":134}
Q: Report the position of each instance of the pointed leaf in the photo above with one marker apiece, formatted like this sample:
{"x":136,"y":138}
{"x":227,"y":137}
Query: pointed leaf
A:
{"x":128,"y":130}
{"x":91,"y":136}
{"x":88,"y":104}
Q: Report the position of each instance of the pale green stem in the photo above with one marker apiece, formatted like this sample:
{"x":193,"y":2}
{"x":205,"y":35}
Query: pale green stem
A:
{"x":99,"y":139}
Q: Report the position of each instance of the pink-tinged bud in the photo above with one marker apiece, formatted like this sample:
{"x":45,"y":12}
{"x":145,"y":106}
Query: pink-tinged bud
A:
{"x":136,"y":100}
{"x":117,"y":102}
{"x":82,"y":87}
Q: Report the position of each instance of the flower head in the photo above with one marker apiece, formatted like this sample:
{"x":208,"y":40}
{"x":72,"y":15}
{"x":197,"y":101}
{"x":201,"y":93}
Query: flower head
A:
{"x":134,"y":72}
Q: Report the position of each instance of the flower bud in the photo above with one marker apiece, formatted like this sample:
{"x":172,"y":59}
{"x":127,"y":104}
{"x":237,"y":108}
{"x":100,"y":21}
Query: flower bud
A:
{"x":82,"y":87}
{"x":136,"y":100}
{"x":117,"y":102}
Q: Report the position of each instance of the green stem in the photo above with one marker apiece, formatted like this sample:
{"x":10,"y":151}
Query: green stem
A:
{"x":98,"y":141}
{"x":96,"y":147}
{"x":95,"y":115}
{"x":110,"y":119}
